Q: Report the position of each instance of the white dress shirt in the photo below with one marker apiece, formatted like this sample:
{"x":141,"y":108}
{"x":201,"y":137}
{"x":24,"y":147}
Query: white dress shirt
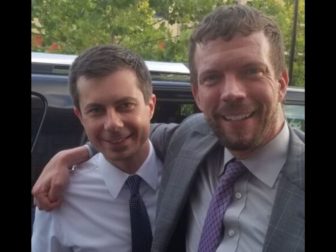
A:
{"x":94,"y":215}
{"x":247,"y":217}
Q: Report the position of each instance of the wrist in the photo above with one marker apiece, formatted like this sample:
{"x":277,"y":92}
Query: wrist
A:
{"x":90,"y":149}
{"x":73,"y":156}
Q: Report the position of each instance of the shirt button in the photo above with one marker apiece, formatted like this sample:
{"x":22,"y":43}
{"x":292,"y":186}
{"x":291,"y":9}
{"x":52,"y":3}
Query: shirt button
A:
{"x":231,"y":232}
{"x":238,"y":195}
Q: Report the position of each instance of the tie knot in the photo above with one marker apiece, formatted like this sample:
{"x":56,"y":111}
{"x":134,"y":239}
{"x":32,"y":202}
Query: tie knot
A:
{"x":133,"y":183}
{"x":234,"y":169}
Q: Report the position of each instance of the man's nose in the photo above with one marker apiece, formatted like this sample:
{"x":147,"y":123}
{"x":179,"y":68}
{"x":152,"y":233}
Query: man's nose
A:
{"x":232,"y":88}
{"x":113,"y":120}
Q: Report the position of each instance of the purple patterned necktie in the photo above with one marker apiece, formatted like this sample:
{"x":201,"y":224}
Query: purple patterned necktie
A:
{"x":213,"y":228}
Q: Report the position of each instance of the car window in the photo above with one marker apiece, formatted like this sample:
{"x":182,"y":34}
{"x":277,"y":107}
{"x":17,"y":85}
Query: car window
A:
{"x":173,"y":111}
{"x":295,"y":116}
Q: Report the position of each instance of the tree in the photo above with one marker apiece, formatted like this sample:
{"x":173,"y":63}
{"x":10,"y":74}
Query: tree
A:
{"x":156,"y":29}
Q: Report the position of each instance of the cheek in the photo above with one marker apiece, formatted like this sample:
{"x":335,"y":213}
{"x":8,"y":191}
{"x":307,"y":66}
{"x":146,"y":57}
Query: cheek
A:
{"x":91,"y":127}
{"x":277,"y":93}
{"x":141,"y":127}
{"x":141,"y":120}
{"x":207,"y":100}
{"x":145,"y":123}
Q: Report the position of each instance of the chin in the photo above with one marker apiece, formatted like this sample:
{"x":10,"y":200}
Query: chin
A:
{"x":239,"y":145}
{"x":234,"y":140}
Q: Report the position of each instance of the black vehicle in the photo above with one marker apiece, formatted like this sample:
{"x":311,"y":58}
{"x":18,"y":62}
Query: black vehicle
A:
{"x":61,"y":129}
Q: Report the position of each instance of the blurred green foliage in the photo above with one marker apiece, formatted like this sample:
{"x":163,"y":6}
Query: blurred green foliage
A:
{"x":156,"y":29}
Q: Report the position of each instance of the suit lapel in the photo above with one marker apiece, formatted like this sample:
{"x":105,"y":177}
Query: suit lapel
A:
{"x":177,"y":182}
{"x":287,"y":219}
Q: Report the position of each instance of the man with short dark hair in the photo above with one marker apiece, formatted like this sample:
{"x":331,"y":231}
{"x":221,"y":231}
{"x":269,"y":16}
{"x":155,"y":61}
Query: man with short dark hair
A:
{"x":113,"y":195}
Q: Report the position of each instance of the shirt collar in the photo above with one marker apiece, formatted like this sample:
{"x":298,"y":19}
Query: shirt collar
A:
{"x":267,"y":163}
{"x":150,"y":170}
{"x":115,"y":178}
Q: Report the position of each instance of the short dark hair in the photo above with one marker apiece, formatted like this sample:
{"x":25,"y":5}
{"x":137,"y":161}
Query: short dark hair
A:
{"x":100,"y":61}
{"x":227,"y":21}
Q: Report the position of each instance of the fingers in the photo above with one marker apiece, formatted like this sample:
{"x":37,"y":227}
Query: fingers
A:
{"x":41,"y":199}
{"x":49,"y":187}
{"x":44,"y":203}
{"x":44,"y":199}
{"x":56,"y":191}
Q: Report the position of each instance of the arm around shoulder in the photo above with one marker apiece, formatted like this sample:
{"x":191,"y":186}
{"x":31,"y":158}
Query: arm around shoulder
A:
{"x":50,"y":185}
{"x":160,"y":136}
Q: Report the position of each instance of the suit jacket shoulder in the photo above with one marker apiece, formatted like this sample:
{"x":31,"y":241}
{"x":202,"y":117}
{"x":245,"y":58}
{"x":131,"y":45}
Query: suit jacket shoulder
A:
{"x":160,"y":135}
{"x":174,"y":134}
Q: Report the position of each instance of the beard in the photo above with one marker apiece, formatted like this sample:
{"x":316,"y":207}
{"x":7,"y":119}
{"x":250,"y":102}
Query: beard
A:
{"x":236,"y":142}
{"x":247,"y":139}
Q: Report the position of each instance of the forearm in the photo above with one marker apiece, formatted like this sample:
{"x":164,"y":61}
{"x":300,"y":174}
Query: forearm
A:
{"x":50,"y":185}
{"x":74,"y":156}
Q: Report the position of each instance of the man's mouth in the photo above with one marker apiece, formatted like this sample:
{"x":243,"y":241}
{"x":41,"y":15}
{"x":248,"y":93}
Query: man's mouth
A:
{"x":237,"y":117}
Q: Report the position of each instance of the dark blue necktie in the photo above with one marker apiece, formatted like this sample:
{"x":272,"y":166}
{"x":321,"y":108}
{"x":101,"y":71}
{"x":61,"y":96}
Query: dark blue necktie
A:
{"x":213,"y":228}
{"x":140,"y":224}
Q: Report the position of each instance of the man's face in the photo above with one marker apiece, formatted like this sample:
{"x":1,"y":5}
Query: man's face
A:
{"x":238,"y":92}
{"x":115,"y":117}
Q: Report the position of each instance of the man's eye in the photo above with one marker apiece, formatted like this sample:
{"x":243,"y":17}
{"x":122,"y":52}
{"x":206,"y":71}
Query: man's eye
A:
{"x":254,"y":72}
{"x":126,"y":106}
{"x":94,"y":111}
{"x":209,"y":79}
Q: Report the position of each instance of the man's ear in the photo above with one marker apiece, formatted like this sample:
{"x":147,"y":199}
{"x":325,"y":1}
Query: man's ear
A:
{"x":151,"y":105}
{"x":78,"y":113}
{"x":283,"y":85}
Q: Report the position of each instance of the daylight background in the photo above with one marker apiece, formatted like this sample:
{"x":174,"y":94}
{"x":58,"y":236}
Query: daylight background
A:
{"x":155,"y":29}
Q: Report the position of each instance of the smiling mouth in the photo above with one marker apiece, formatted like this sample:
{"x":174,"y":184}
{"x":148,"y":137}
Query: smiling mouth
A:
{"x":118,"y":140}
{"x":238,"y":117}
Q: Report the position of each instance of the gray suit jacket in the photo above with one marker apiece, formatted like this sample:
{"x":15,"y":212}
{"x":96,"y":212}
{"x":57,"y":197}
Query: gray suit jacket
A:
{"x":188,"y":144}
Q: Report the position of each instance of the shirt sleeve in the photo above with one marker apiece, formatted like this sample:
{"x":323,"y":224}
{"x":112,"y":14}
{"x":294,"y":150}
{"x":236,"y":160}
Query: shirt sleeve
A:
{"x":47,"y":236}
